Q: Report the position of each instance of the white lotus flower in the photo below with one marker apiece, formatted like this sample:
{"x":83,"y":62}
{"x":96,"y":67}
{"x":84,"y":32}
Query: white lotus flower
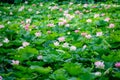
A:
{"x":6,"y":40}
{"x":40,"y":57}
{"x":65,"y":45}
{"x":99,"y":34}
{"x":38,"y":34}
{"x":56,"y":43}
{"x":98,"y":73}
{"x":25,"y":44}
{"x":73,"y":48}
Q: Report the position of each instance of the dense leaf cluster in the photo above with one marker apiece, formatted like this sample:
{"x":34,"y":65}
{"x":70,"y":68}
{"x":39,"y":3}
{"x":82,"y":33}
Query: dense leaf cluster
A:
{"x":48,"y":41}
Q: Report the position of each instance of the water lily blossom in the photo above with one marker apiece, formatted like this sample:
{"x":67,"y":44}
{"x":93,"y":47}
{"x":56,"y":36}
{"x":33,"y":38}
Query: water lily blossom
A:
{"x":27,"y":27}
{"x":107,"y":19}
{"x":83,"y":34}
{"x":2,"y":26}
{"x":38,"y":34}
{"x":88,"y":20}
{"x":99,"y":33}
{"x":6,"y":40}
{"x":99,"y":64}
{"x":65,"y":45}
{"x":117,"y":64}
{"x":98,"y":73}
{"x":1,"y":78}
{"x":28,"y":21}
{"x":76,"y":31}
{"x":61,"y":39}
{"x":50,"y":25}
{"x":25,"y":44}
{"x":21,"y":8}
{"x":39,"y":57}
{"x":73,"y":48}
{"x":96,"y":15}
{"x":15,"y":62}
{"x":85,"y":5}
{"x":88,"y":36}
{"x":56,"y":43}
{"x":111,"y":25}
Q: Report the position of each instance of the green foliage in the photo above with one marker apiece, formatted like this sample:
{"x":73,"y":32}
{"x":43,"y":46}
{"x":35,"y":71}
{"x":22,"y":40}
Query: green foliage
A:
{"x":73,"y":69}
{"x":40,"y":70}
{"x":60,"y":40}
{"x":26,"y":54}
{"x":59,"y":74}
{"x":18,"y":1}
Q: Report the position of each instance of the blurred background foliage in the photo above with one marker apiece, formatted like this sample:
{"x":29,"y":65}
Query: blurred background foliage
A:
{"x":63,"y":1}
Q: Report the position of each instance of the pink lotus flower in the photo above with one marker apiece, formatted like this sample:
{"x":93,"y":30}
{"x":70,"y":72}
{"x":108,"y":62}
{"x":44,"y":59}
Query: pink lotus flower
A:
{"x":61,"y":39}
{"x":2,"y":26}
{"x":84,"y":34}
{"x":48,"y":32}
{"x":25,"y":44}
{"x":85,"y":5}
{"x":99,"y":64}
{"x":111,"y":25}
{"x":76,"y":31}
{"x":15,"y":62}
{"x":62,"y":22}
{"x":38,"y":34}
{"x":50,"y":25}
{"x":27,"y":27}
{"x":107,"y":19}
{"x":117,"y":64}
{"x":68,"y":16}
{"x":98,"y":33}
{"x":60,"y":9}
{"x":1,"y":78}
{"x":77,"y":12}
